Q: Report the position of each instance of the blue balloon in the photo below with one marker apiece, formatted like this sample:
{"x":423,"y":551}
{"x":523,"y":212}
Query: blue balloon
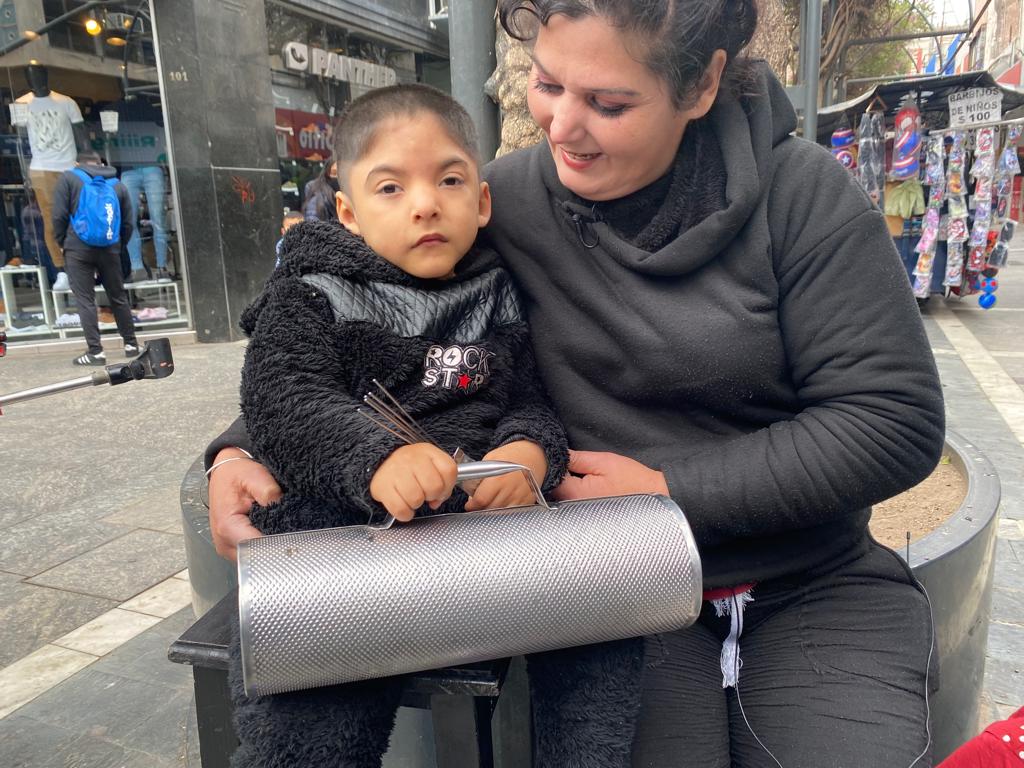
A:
{"x":987,"y":300}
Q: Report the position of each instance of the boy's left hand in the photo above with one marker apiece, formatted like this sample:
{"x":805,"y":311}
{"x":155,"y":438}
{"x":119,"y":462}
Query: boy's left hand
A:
{"x":510,"y":490}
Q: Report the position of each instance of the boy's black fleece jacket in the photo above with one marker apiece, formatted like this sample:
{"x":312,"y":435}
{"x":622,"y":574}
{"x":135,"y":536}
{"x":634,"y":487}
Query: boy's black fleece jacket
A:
{"x":334,"y":317}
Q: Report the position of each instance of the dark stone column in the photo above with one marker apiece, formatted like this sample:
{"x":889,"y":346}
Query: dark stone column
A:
{"x":220,"y":116}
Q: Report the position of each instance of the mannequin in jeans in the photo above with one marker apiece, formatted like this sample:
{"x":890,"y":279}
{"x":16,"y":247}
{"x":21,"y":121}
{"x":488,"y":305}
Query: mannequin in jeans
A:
{"x":139,"y":155}
{"x":56,"y":134}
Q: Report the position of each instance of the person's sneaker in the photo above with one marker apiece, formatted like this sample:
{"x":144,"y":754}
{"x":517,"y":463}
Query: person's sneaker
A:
{"x":90,"y":359}
{"x":131,"y":350}
{"x":139,"y":276}
{"x":163,"y":276}
{"x":62,"y":283}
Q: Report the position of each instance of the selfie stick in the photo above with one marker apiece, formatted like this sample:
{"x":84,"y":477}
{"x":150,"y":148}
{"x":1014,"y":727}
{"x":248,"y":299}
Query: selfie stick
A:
{"x":154,"y":362}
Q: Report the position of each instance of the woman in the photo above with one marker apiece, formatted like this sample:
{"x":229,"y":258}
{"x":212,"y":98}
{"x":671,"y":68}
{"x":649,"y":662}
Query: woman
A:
{"x":719,"y":315}
{"x":319,"y":195}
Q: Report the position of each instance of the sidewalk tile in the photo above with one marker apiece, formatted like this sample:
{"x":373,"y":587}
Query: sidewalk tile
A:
{"x":166,"y":598}
{"x":90,"y":751}
{"x":106,"y":632}
{"x":144,"y":658}
{"x":1008,"y":606}
{"x":47,"y":540}
{"x":31,"y":616}
{"x":98,"y":703}
{"x":1005,"y":642}
{"x":182,"y":575}
{"x":33,"y":675}
{"x":119,"y":569}
{"x":1004,"y":681}
{"x":156,"y":511}
{"x":27,"y":743}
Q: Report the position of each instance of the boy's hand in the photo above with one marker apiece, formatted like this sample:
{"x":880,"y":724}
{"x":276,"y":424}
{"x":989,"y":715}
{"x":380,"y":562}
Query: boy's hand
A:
{"x":412,"y":476}
{"x":510,"y":490}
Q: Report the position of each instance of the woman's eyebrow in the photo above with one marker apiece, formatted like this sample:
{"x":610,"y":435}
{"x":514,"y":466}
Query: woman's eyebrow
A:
{"x":603,"y":91}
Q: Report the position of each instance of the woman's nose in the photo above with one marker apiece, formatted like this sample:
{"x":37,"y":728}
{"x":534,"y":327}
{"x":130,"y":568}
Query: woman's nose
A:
{"x":566,"y":121}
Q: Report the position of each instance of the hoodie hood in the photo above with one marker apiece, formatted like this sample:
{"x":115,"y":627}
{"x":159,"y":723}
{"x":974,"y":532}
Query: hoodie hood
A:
{"x":103,"y":171}
{"x":748,"y":128}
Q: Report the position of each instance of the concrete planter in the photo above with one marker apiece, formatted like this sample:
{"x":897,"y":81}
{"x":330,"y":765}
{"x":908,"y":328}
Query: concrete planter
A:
{"x":954,"y":562}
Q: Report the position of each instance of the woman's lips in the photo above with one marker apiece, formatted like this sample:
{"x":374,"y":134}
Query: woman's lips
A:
{"x":578,"y":161}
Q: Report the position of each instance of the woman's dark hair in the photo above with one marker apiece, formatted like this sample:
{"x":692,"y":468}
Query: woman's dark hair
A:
{"x":357,"y":126}
{"x":679,"y":35}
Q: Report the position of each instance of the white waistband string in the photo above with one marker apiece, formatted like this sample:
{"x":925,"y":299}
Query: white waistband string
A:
{"x":732,"y":606}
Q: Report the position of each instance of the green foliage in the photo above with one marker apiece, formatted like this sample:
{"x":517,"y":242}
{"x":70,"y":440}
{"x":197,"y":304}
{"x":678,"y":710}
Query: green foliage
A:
{"x":901,"y":17}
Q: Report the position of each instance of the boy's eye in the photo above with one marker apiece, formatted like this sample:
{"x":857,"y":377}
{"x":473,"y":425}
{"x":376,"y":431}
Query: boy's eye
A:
{"x":387,"y":189}
{"x":451,"y":181}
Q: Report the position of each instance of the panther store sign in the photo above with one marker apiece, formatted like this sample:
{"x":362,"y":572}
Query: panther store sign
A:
{"x":975,"y":106}
{"x":300,"y":57}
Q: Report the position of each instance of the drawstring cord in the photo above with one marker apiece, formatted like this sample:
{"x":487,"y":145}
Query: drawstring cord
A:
{"x":732,"y":606}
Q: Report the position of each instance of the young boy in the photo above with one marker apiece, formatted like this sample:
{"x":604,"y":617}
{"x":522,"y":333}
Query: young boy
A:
{"x":398,"y":292}
{"x":290,"y":220}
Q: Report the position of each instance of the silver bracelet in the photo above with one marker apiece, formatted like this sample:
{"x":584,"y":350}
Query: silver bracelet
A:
{"x":225,"y":461}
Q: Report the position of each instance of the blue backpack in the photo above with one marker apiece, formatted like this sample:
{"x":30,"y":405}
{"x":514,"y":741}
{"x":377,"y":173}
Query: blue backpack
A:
{"x":97,"y":219}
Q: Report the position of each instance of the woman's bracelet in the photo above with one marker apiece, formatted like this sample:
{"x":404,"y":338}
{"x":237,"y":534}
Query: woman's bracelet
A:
{"x":225,"y":461}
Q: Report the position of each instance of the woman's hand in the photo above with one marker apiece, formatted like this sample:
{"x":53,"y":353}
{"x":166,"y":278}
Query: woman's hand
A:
{"x":234,"y":487}
{"x":412,"y":476}
{"x":608,"y":474}
{"x":510,"y":490}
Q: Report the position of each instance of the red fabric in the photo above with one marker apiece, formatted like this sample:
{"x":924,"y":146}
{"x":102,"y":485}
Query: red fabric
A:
{"x":999,"y":745}
{"x":718,"y":594}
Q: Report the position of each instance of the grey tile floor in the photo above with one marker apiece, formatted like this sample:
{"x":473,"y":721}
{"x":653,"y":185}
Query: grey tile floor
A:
{"x":89,"y":517}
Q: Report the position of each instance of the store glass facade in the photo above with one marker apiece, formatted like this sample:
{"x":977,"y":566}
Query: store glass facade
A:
{"x":317,"y":66}
{"x":90,"y":83}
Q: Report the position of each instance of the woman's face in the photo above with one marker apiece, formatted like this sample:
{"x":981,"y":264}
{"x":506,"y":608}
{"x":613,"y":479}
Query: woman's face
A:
{"x":609,"y":120}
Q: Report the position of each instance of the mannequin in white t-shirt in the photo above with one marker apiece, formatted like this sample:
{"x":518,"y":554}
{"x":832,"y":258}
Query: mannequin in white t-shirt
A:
{"x":56,"y":134}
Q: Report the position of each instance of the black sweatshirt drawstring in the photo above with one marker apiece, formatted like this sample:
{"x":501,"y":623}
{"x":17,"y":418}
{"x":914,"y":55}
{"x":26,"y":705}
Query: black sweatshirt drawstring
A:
{"x":582,"y":218}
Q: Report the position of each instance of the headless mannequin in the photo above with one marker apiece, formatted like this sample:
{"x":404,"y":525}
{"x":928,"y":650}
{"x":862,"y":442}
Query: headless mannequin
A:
{"x":56,"y":135}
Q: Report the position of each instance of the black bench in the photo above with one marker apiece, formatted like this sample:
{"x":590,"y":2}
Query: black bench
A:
{"x":461,"y":700}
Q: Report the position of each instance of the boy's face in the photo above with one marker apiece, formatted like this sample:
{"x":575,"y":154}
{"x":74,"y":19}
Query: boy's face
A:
{"x":416,"y":197}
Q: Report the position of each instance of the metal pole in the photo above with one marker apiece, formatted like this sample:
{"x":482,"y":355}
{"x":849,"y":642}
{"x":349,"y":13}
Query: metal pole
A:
{"x":811,"y":48}
{"x":93,"y":380}
{"x":471,"y":42}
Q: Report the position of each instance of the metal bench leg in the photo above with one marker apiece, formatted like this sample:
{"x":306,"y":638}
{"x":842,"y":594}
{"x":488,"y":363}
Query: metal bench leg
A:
{"x":462,"y":731}
{"x":217,"y":740}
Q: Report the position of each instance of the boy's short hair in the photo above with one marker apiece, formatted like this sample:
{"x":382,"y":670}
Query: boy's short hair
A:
{"x":292,"y":216}
{"x":356,"y":128}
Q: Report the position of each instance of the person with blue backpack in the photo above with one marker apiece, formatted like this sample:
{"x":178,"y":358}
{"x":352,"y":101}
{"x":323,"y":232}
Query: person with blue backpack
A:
{"x":92,"y":219}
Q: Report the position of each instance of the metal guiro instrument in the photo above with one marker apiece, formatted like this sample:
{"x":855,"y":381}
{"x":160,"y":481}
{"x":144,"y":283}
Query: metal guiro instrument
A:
{"x":344,"y":604}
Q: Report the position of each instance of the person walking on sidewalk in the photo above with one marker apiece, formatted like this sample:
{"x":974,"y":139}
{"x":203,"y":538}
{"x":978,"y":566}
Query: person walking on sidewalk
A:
{"x":92,"y":217}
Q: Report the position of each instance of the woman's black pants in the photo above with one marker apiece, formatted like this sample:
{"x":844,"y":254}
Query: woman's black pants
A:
{"x":835,"y":668}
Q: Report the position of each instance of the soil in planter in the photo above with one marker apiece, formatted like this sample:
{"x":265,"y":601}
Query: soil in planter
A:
{"x":921,"y":509}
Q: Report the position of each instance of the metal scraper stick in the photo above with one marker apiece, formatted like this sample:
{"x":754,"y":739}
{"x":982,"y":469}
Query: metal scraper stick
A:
{"x":400,"y":423}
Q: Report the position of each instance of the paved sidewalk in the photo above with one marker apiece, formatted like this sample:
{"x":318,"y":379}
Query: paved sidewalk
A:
{"x":92,"y":589}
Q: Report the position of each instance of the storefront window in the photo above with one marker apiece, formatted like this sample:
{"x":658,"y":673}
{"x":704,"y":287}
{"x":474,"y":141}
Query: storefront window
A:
{"x":317,"y":67}
{"x":63,"y":96}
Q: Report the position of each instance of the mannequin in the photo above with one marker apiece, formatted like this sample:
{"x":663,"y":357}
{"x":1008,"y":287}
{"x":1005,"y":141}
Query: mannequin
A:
{"x":140,"y":154}
{"x":56,"y":134}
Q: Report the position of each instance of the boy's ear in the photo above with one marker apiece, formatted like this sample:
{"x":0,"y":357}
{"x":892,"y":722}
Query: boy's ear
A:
{"x":485,"y":205}
{"x":346,"y":213}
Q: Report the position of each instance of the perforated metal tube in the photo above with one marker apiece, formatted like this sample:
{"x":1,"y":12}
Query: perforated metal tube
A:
{"x":334,"y":606}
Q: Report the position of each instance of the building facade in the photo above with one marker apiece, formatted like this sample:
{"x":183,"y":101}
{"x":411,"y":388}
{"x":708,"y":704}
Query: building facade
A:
{"x":224,"y":113}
